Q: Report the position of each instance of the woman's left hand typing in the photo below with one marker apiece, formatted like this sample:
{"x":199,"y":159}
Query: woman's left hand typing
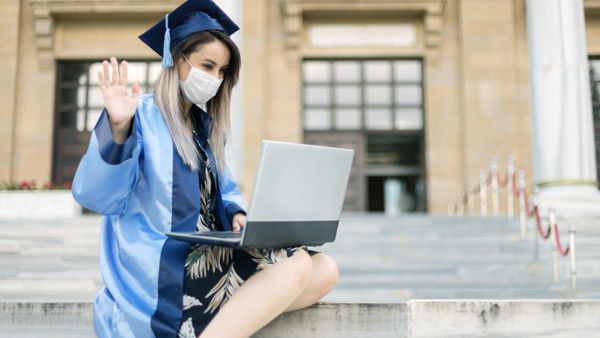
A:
{"x":239,"y":221}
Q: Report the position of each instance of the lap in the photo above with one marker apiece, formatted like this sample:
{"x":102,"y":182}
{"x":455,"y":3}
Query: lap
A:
{"x":213,"y":274}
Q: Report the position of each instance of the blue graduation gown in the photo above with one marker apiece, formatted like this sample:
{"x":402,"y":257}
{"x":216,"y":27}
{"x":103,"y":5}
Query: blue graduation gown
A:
{"x":144,"y":189}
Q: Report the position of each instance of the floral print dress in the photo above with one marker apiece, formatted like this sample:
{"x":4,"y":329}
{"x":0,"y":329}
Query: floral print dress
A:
{"x":212,"y":273}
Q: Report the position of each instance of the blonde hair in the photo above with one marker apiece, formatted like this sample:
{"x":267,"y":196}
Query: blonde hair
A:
{"x":170,"y":101}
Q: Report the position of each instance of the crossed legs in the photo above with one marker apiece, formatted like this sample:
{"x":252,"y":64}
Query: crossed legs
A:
{"x":292,"y":283}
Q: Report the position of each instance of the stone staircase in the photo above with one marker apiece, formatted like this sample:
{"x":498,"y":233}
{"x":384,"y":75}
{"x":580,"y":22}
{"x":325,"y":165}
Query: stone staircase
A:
{"x":432,"y":257}
{"x":381,"y":259}
{"x":54,"y":260}
{"x":49,"y":270}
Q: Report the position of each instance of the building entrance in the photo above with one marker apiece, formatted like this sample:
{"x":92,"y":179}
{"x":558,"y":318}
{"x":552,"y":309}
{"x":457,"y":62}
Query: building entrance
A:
{"x":374,"y":106}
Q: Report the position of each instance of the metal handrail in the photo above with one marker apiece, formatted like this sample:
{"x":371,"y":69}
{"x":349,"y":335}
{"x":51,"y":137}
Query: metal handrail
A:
{"x":496,"y":182}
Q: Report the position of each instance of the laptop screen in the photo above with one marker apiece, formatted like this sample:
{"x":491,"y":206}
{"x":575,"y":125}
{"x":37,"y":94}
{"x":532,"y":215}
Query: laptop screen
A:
{"x":299,"y":182}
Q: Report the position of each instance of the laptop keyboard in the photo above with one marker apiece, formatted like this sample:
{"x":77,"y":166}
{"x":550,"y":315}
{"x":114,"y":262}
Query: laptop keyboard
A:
{"x":220,"y":234}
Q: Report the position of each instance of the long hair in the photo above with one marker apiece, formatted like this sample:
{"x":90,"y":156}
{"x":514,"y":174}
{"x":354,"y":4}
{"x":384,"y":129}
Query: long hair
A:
{"x":170,"y":100}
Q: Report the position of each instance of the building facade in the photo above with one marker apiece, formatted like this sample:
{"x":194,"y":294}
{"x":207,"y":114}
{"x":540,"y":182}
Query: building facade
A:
{"x":425,"y":91}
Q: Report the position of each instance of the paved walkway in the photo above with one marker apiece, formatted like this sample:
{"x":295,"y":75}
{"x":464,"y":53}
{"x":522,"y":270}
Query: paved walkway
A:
{"x":381,"y":259}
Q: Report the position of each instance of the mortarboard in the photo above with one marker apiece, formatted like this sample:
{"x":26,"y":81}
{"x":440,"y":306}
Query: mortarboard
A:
{"x":190,"y":17}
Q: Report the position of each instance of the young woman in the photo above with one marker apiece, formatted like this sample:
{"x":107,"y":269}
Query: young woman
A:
{"x":157,"y":163}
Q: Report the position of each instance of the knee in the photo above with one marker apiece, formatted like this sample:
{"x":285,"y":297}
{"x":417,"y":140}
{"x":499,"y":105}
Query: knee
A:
{"x":303,"y":267}
{"x":330,"y":272}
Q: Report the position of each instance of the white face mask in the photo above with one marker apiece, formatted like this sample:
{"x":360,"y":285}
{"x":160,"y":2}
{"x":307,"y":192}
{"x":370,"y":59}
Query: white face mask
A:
{"x":199,"y":87}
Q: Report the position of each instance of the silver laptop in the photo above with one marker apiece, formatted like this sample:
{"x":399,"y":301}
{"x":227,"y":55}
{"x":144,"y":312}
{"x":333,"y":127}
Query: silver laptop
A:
{"x":297,"y":199}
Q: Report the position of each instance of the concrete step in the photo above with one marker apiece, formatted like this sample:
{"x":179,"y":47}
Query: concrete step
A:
{"x":413,"y":319}
{"x":407,"y":256}
{"x":403,"y":294}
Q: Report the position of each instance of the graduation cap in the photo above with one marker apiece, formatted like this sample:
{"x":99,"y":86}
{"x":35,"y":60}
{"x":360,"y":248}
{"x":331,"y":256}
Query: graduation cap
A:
{"x":190,"y":17}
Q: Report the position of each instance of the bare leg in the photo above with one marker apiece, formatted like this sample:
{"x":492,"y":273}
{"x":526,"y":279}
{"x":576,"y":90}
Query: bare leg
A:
{"x":261,"y":298}
{"x":324,"y":277}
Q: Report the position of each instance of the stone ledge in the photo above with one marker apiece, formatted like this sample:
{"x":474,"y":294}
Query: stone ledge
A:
{"x":38,"y":204}
{"x":504,"y":318}
{"x":340,"y":320}
{"x":416,"y":318}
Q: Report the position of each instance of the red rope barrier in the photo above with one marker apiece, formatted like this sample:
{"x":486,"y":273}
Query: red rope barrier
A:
{"x":530,"y":212}
{"x":559,"y":247}
{"x":538,"y":222}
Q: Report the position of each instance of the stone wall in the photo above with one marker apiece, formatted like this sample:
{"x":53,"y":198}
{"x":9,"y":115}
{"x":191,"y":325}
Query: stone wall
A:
{"x":474,"y":54}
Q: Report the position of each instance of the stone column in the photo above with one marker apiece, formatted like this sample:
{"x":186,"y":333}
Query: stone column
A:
{"x":234,"y":10}
{"x":562,"y":127}
{"x":10,"y":24}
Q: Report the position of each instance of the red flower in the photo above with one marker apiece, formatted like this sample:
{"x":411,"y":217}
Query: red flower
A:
{"x":27,"y":185}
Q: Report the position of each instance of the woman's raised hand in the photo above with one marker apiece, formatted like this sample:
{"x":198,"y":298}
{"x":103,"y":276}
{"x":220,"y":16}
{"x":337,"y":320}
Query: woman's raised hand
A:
{"x":119,"y":105}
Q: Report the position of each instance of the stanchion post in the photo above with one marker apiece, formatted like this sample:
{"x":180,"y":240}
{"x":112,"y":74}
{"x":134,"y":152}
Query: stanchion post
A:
{"x":483,"y":193}
{"x":552,"y":218}
{"x":536,"y":248}
{"x":495,"y":192}
{"x":535,"y":201}
{"x":555,"y":265}
{"x":461,"y":204}
{"x":510,"y":176}
{"x":522,"y":207}
{"x":573,"y":261}
{"x":470,"y":200}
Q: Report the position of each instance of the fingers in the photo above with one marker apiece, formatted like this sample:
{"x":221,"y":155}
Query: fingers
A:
{"x":124,"y":73}
{"x":101,"y":80}
{"x":105,"y":75}
{"x":239,"y":221}
{"x":115,"y":71}
{"x":135,"y":91}
{"x":119,"y":76}
{"x":238,"y":224}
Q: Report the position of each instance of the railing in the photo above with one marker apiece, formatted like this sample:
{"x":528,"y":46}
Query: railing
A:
{"x":516,"y":189}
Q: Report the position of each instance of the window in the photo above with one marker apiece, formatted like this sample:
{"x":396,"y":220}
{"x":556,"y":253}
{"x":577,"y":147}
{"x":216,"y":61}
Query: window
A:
{"x":374,"y":106}
{"x":78,"y":106}
{"x":367,"y":94}
{"x":595,"y":87}
{"x":594,"y":69}
{"x":79,"y":100}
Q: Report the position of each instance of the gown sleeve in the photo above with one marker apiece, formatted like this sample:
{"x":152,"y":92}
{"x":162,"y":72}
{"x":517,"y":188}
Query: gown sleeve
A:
{"x":108,"y":171}
{"x":230,"y":193}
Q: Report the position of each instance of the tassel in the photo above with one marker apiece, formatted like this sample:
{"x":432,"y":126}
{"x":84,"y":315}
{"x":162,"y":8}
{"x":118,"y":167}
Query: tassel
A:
{"x":167,"y":61}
